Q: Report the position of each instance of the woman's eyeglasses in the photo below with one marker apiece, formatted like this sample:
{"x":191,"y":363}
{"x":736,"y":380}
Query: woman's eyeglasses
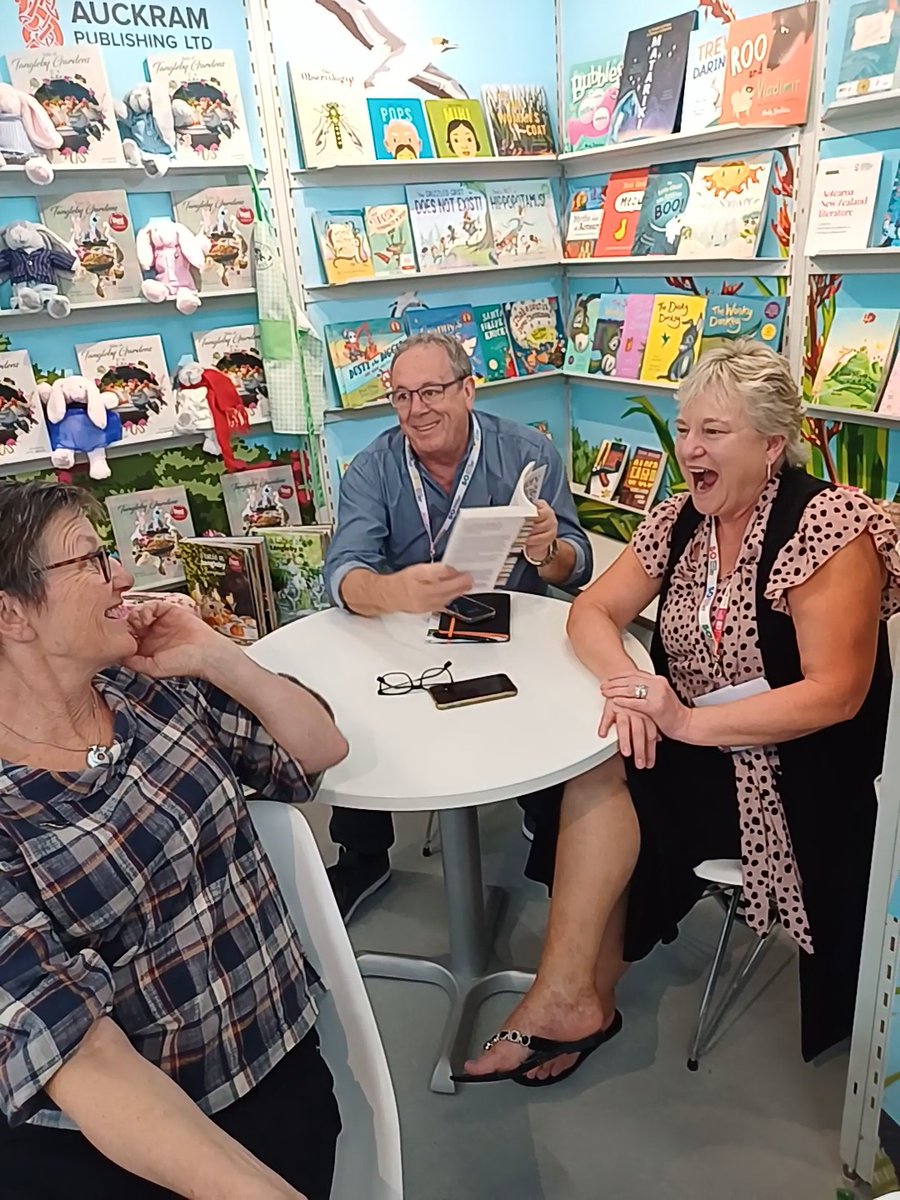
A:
{"x":398,"y":683}
{"x":100,"y":556}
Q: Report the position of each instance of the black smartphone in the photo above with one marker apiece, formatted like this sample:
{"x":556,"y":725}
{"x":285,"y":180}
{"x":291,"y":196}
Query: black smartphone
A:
{"x":470,"y":611}
{"x":472,"y":691}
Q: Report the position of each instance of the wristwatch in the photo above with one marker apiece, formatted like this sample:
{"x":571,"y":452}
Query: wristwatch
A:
{"x":552,"y":551}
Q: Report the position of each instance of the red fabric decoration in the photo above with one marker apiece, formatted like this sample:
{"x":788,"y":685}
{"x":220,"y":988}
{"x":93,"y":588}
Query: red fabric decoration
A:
{"x":229,"y":414}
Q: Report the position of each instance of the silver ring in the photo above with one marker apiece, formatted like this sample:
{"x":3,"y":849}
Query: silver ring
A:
{"x":640,"y":692}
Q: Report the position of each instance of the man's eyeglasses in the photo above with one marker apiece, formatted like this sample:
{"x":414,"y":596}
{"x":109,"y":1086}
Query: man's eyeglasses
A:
{"x":431,"y":393}
{"x":398,"y":683}
{"x":100,"y":556}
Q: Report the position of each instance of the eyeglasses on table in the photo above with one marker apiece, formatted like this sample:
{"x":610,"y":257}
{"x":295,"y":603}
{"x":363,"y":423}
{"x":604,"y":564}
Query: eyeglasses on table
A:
{"x":398,"y":683}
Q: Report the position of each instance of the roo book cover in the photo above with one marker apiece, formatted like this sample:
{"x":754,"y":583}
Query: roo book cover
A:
{"x":768,"y":67}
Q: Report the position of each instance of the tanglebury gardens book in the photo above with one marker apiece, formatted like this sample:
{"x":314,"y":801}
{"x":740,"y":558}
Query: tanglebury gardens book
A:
{"x":98,"y":227}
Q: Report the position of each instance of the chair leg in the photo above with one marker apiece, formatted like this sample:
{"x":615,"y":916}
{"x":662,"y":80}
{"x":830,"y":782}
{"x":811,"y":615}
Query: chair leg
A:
{"x":432,"y":836}
{"x":713,"y":979}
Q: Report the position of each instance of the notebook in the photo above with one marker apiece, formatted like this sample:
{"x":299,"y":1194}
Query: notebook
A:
{"x":495,"y":629}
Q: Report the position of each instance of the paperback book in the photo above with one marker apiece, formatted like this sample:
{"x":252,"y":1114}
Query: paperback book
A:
{"x":608,"y":468}
{"x":726,"y":208}
{"x":519,"y":119}
{"x":659,"y":222}
{"x":361,"y":353}
{"x":297,"y":570}
{"x":592,"y":90}
{"x":496,"y":348}
{"x":458,"y":129}
{"x":871,"y":49}
{"x":704,"y":81}
{"x":133,"y":369}
{"x":635,"y":329}
{"x":621,"y":211}
{"x":890,"y":223}
{"x":451,"y":226}
{"x":607,"y":334}
{"x":584,"y":220}
{"x":730,"y":317}
{"x":537,"y":335}
{"x":889,"y":404}
{"x":579,"y":334}
{"x":98,"y":228}
{"x":23,"y":429}
{"x":400,"y":128}
{"x":769,"y":67}
{"x":225,"y":216}
{"x":332,"y":118}
{"x":856,"y":357}
{"x":457,"y":321}
{"x":652,"y":82}
{"x":673,"y":339}
{"x":148,"y":528}
{"x":524,"y":223}
{"x":643,"y":475}
{"x":228,"y":579}
{"x":210,"y":123}
{"x":843,"y":204}
{"x":343,"y":245}
{"x":390,"y":239}
{"x":261,"y":498}
{"x":235,"y":350}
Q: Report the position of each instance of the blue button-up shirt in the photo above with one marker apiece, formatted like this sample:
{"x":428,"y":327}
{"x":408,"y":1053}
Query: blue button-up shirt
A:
{"x":379,"y":525}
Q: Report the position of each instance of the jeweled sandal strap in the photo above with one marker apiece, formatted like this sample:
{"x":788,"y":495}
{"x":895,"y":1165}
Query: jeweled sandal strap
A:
{"x":508,"y":1035}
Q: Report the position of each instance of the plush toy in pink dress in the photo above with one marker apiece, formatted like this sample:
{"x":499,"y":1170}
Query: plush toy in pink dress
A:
{"x":170,"y":250}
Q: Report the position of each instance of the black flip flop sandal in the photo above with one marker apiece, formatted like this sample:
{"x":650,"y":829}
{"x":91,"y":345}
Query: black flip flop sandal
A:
{"x":596,"y":1040}
{"x":542,"y":1050}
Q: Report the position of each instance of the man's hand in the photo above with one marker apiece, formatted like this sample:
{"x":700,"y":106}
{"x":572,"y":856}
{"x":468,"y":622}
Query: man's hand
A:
{"x":428,"y":587}
{"x":172,"y":641}
{"x":543,"y":532}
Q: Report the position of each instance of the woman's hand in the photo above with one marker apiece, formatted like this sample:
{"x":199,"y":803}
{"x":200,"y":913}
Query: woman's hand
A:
{"x":172,"y":641}
{"x":660,"y":704}
{"x":637,"y":733}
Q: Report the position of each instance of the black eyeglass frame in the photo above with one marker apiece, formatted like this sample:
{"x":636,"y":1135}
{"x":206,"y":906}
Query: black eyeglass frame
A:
{"x":424,"y":681}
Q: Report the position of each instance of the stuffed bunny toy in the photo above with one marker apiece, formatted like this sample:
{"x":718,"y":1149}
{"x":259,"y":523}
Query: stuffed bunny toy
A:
{"x":26,"y":134}
{"x":148,"y":119}
{"x":78,"y":419}
{"x":206,"y":400}
{"x":31,"y":257}
{"x":170,"y":250}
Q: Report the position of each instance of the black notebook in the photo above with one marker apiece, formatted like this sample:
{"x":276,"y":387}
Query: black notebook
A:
{"x":494,"y":629}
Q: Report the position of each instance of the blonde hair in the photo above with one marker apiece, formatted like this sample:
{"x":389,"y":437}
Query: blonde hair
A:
{"x":761,"y":381}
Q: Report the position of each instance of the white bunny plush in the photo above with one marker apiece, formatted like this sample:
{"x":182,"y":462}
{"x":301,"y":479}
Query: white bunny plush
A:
{"x":79,"y":418}
{"x":26,"y":134}
{"x":169,"y":249}
{"x":147,"y":124}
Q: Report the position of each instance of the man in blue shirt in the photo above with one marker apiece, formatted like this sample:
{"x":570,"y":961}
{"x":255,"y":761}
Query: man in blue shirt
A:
{"x":398,"y":501}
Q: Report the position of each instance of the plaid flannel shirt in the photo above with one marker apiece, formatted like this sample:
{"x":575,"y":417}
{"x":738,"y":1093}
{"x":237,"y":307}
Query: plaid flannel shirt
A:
{"x":141,"y":891}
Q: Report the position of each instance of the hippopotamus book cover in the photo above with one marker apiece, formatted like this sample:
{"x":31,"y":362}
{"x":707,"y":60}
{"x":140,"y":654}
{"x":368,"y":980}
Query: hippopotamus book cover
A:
{"x":768,"y":67}
{"x":134,"y":370}
{"x":23,"y":430}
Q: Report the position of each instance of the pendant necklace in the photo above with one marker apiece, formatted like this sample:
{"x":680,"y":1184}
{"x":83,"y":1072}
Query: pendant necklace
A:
{"x":95,"y":756}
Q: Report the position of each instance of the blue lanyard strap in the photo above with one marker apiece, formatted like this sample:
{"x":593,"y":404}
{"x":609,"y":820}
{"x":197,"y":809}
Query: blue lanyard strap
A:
{"x":456,"y":504}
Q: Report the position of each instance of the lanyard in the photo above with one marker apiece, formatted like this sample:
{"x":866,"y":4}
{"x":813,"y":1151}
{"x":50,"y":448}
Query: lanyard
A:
{"x":455,"y":505}
{"x":712,"y":622}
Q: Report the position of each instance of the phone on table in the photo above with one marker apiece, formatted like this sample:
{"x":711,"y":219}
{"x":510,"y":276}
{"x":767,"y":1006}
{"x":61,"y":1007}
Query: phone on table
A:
{"x":470,"y":611}
{"x":473,"y":691}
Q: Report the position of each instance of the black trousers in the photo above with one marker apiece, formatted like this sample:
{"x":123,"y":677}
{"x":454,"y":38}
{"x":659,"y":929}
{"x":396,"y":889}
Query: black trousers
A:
{"x":290,"y":1121}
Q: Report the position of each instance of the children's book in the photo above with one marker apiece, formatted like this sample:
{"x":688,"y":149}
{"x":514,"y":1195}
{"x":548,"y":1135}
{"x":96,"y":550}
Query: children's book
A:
{"x":343,"y":245}
{"x":704,"y":81}
{"x":607,"y":334}
{"x":496,"y":348}
{"x":673,"y":339}
{"x":361,"y":353}
{"x":768,"y":68}
{"x":390,"y":239}
{"x":455,"y":320}
{"x":635,"y":328}
{"x":458,"y":129}
{"x":297,"y":569}
{"x":400,"y":128}
{"x":537,"y":334}
{"x":524,"y":223}
{"x":98,"y":227}
{"x":235,"y":350}
{"x":726,"y":208}
{"x":621,"y":211}
{"x":148,"y":528}
{"x":652,"y":79}
{"x":210,"y":123}
{"x":843,"y":204}
{"x":261,"y":498}
{"x":225,"y":216}
{"x":451,"y":226}
{"x":519,"y":119}
{"x":133,"y":369}
{"x":228,"y":579}
{"x":871,"y":49}
{"x":856,"y":358}
{"x":889,"y":404}
{"x":71,"y":85}
{"x":890,"y":224}
{"x":643,"y":475}
{"x":332,"y":118}
{"x":608,"y":469}
{"x":583,"y":223}
{"x":730,"y":317}
{"x":23,"y":429}
{"x":579,"y":333}
{"x":659,"y":222}
{"x":590,"y":100}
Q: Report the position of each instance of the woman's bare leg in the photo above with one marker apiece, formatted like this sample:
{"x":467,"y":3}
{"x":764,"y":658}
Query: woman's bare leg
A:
{"x":574,"y":992}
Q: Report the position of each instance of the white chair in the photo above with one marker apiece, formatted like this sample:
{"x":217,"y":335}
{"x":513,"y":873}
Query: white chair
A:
{"x":369,"y":1163}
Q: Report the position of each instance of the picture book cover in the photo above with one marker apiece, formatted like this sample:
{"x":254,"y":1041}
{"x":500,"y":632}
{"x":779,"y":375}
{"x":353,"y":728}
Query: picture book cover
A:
{"x":98,"y":227}
{"x":332,"y":118}
{"x":890,"y":223}
{"x":235,"y":350}
{"x":621,"y":211}
{"x":889,"y":404}
{"x":390,"y":239}
{"x":579,"y":332}
{"x":456,"y":320}
{"x":726,"y":208}
{"x":496,"y":348}
{"x":297,"y":568}
{"x":537,"y":334}
{"x":211,"y":126}
{"x":652,"y":79}
{"x":704,"y":81}
{"x":148,"y":527}
{"x":71,"y":85}
{"x":400,"y":128}
{"x":635,"y":329}
{"x":642,"y":478}
{"x":843,"y":204}
{"x":731,"y":317}
{"x":592,"y":90}
{"x":134,"y":369}
{"x":541,"y":427}
{"x":519,"y":119}
{"x":343,"y":245}
{"x":607,"y":470}
{"x":451,"y":226}
{"x":524,"y":223}
{"x":673,"y":339}
{"x":458,"y":129}
{"x":857,"y":354}
{"x":769,"y":67}
{"x":607,"y":334}
{"x":261,"y":498}
{"x":360,"y":353}
{"x":658,"y":228}
{"x":871,"y":49}
{"x":223,"y":580}
{"x":583,"y":223}
{"x":226,"y":217}
{"x":23,"y":430}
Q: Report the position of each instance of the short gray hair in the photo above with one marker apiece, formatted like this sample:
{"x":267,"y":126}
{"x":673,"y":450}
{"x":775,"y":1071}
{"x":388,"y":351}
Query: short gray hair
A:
{"x":26,"y":510}
{"x":452,"y":347}
{"x":760,"y":380}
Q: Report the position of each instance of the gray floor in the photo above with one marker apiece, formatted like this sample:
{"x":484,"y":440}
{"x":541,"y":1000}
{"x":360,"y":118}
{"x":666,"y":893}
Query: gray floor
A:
{"x":754,"y":1123}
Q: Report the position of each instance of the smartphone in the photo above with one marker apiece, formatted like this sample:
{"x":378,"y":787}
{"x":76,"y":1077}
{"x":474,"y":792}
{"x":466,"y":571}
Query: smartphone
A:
{"x":470,"y":611}
{"x":472,"y":691}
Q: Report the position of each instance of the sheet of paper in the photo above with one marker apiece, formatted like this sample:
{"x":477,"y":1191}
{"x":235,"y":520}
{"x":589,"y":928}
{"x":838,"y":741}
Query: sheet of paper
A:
{"x":479,"y":542}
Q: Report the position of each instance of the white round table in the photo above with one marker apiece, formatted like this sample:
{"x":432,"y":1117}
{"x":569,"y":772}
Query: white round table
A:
{"x":406,"y":756}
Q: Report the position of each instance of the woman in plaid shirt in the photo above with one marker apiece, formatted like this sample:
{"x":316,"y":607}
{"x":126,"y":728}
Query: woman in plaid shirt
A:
{"x":156,"y":1011}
